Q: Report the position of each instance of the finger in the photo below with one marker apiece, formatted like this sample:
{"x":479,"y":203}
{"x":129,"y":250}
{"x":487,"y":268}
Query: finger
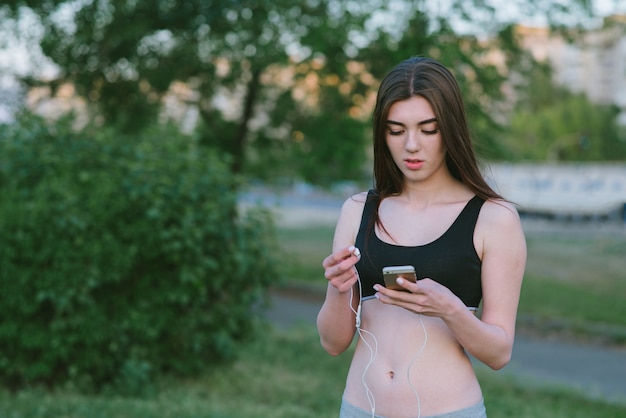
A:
{"x":407,"y":284}
{"x":401,"y":299}
{"x":389,"y":295}
{"x":341,"y":267}
{"x":342,"y":271}
{"x":340,"y":255}
{"x":390,"y":298}
{"x":345,"y":281}
{"x":344,"y":284}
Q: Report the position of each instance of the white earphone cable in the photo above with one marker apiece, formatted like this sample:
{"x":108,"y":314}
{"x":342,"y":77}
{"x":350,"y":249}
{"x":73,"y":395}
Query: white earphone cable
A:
{"x":372,"y":349}
{"x":408,"y":371}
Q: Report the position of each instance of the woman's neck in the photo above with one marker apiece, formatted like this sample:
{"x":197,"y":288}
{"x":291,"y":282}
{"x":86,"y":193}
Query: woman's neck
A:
{"x":441,"y":189}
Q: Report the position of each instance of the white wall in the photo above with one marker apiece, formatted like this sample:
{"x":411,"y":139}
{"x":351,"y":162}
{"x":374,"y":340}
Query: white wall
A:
{"x":585,"y":189}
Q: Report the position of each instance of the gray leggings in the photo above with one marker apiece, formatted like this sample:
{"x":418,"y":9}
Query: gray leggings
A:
{"x":475,"y":411}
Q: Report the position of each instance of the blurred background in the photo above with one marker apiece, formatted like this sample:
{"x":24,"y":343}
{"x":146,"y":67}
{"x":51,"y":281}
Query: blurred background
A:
{"x":171,"y":171}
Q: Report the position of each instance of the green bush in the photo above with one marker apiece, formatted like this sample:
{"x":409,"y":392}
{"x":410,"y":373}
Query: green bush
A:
{"x":121,"y":258}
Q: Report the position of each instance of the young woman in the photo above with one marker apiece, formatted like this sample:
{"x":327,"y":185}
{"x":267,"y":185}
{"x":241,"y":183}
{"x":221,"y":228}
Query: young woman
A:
{"x":432,"y":209}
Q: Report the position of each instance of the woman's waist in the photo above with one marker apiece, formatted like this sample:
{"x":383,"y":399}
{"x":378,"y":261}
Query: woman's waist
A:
{"x":426,"y":357}
{"x":398,"y":331}
{"x":396,"y":363}
{"x":400,"y":383}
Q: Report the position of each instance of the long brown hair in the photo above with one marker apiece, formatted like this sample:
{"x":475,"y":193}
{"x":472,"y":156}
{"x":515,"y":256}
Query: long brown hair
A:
{"x":425,"y":77}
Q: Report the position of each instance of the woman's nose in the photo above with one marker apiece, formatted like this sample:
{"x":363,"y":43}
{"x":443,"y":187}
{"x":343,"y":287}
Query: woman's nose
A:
{"x":412,"y":143}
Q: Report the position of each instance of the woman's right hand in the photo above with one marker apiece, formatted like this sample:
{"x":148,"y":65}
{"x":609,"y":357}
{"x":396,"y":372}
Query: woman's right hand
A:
{"x":339,"y":268}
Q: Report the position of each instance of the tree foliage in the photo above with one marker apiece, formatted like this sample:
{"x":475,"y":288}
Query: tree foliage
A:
{"x":268,"y":75}
{"x":124,"y":56}
{"x":553,"y":124}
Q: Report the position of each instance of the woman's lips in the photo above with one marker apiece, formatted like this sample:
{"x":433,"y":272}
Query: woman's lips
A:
{"x":413,"y":164}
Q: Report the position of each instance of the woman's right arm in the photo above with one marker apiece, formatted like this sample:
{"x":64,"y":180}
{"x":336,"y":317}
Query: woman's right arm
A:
{"x":336,"y":319}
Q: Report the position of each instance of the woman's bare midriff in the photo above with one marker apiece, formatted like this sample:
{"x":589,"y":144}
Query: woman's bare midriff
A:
{"x":441,"y":373}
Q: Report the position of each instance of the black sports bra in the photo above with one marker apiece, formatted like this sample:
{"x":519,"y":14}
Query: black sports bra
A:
{"x":450,"y":260}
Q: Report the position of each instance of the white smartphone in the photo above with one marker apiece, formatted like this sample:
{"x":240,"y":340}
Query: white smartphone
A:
{"x":391,"y":273}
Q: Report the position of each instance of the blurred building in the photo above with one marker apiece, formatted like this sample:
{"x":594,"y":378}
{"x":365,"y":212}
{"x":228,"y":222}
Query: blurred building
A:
{"x":593,"y":64}
{"x":578,"y":190}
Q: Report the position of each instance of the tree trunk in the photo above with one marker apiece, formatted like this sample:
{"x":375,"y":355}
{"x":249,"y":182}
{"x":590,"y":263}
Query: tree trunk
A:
{"x":242,"y":133}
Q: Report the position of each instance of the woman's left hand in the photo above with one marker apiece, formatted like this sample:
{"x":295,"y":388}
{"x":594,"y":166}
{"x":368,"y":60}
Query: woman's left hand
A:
{"x":426,"y":297}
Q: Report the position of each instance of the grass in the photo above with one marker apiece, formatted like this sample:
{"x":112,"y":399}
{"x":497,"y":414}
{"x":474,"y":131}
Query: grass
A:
{"x":550,"y":299}
{"x":304,"y":249}
{"x":284,"y":374}
{"x":575,"y":281}
{"x":281,"y":375}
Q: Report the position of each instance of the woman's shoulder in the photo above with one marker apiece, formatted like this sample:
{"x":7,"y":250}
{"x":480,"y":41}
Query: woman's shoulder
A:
{"x":354,"y":203}
{"x":349,"y":220}
{"x":500,"y":208}
{"x":499,"y":214}
{"x":499,"y":231}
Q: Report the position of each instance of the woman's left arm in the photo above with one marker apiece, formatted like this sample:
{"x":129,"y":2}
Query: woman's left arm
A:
{"x":499,"y":229}
{"x":499,"y":239}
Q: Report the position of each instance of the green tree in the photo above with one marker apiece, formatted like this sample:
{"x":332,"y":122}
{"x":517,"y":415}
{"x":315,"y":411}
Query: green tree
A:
{"x":552,"y":123}
{"x":124,"y":56}
{"x":282,"y":67}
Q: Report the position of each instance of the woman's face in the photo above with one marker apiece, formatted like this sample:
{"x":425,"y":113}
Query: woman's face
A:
{"x":414,"y":140}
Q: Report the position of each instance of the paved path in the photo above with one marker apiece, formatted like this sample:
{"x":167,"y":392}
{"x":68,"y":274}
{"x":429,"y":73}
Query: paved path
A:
{"x":595,"y":371}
